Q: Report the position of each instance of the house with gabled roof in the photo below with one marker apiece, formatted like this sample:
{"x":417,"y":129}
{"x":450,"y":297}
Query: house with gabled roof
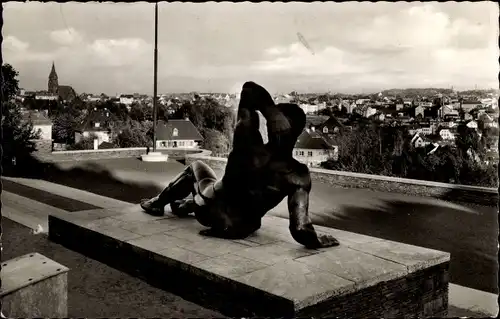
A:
{"x":419,"y":140}
{"x":177,"y":133}
{"x":488,"y":120}
{"x":41,"y":123}
{"x":312,"y":148}
{"x":98,"y":123}
{"x":331,"y":126}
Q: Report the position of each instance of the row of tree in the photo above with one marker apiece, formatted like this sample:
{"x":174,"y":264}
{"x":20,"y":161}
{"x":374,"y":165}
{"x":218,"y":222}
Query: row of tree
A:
{"x":17,"y":135}
{"x":387,"y":150}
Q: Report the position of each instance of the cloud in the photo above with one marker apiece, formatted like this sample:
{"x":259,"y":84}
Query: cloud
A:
{"x":18,"y":51}
{"x":66,"y":37}
{"x":297,"y":59}
{"x":120,"y":52}
{"x":356,"y":45}
{"x":416,"y":46}
{"x":14,"y":44}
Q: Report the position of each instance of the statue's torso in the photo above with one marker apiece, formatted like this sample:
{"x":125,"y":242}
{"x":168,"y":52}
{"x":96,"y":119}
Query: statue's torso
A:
{"x":246,"y":197}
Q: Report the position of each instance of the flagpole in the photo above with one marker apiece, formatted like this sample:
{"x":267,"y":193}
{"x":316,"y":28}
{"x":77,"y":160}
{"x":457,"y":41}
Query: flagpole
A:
{"x":155,"y":92}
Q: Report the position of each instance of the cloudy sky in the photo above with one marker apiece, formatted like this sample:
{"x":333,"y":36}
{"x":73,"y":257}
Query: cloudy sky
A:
{"x":345,"y":47}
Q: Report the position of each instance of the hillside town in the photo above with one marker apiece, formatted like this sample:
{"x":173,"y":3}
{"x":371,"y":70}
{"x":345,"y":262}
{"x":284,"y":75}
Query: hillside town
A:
{"x":431,"y":116}
{"x":428,"y":119}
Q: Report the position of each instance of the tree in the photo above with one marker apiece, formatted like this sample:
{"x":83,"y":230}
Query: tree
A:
{"x":17,"y":135}
{"x":64,"y":127}
{"x":489,"y":138}
{"x":467,"y":138}
{"x":119,"y":110}
{"x":359,"y":151}
{"x":135,"y":134}
{"x":208,"y":114}
{"x":10,"y":83}
{"x":216,"y":142}
{"x":140,"y":112}
{"x":86,"y":143}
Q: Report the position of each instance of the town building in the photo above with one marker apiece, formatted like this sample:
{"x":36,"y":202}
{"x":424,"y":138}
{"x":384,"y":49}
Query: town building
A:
{"x":126,"y":99}
{"x":446,"y":134}
{"x":472,"y":124}
{"x":331,"y":126}
{"x":419,"y":140}
{"x":312,"y":148}
{"x":41,"y":123}
{"x":177,"y":133}
{"x":488,"y":120}
{"x":98,"y":123}
{"x":64,"y":92}
{"x":468,"y":105}
{"x":447,"y":110}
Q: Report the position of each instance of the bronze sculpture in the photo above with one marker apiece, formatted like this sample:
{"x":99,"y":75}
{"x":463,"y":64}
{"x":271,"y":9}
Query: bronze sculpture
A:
{"x":257,"y":177}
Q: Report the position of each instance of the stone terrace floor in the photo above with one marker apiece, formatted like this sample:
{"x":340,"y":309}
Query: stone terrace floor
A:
{"x":96,"y":289}
{"x":468,"y":232}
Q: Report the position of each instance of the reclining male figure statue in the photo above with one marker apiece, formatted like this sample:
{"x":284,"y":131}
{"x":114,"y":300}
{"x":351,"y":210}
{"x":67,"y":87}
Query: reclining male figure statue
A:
{"x":257,"y":177}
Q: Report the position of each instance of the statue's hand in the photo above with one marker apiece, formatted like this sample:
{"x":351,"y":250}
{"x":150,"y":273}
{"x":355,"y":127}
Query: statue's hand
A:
{"x":308,"y":237}
{"x":327,"y":241}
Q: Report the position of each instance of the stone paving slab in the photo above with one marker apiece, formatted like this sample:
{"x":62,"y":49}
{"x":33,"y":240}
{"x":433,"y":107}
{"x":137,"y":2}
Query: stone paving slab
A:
{"x":267,"y":263}
{"x":68,"y":192}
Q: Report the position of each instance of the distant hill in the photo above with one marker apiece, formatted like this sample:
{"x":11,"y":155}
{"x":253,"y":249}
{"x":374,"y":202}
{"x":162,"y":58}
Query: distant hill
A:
{"x":431,"y":91}
{"x":417,"y":91}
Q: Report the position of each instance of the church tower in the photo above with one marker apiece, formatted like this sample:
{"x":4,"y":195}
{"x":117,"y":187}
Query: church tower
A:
{"x":53,"y":83}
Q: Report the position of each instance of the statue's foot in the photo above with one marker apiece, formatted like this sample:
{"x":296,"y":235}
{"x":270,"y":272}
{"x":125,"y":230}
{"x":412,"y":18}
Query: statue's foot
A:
{"x":182,"y":208}
{"x":152,"y":207}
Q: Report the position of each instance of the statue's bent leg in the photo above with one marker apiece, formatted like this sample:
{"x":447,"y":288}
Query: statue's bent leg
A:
{"x":184,"y":184}
{"x":285,"y":122}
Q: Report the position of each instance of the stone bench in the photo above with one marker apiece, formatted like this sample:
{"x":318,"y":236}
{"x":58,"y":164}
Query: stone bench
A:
{"x":34,"y":286}
{"x":267,"y":274}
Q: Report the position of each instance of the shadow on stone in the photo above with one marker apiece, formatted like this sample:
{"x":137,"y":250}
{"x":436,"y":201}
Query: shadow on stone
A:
{"x":470,"y":236}
{"x":91,"y":177}
{"x":471,"y":197}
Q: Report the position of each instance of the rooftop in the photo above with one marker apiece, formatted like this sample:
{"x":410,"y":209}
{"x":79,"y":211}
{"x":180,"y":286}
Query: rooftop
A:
{"x":185,"y":130}
{"x":37,"y":117}
{"x":312,"y":140}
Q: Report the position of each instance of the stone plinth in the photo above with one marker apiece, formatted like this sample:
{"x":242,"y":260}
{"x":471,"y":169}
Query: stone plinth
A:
{"x":34,"y":286}
{"x":154,"y":157}
{"x":267,"y":274}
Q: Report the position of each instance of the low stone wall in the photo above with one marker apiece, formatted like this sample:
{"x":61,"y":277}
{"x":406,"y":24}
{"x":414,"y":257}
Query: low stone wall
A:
{"x":452,"y":192}
{"x":82,"y":155}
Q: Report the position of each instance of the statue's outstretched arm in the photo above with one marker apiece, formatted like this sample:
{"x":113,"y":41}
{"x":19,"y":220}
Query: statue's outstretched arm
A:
{"x":301,"y":227}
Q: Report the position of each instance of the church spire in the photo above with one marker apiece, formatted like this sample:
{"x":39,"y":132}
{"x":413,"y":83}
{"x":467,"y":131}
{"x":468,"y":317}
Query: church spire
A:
{"x":53,"y":86}
{"x":53,"y":71}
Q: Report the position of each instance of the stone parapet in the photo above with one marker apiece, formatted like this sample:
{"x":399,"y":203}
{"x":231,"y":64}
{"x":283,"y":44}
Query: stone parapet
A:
{"x":84,"y":155}
{"x":267,"y":274}
{"x":451,"y":192}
